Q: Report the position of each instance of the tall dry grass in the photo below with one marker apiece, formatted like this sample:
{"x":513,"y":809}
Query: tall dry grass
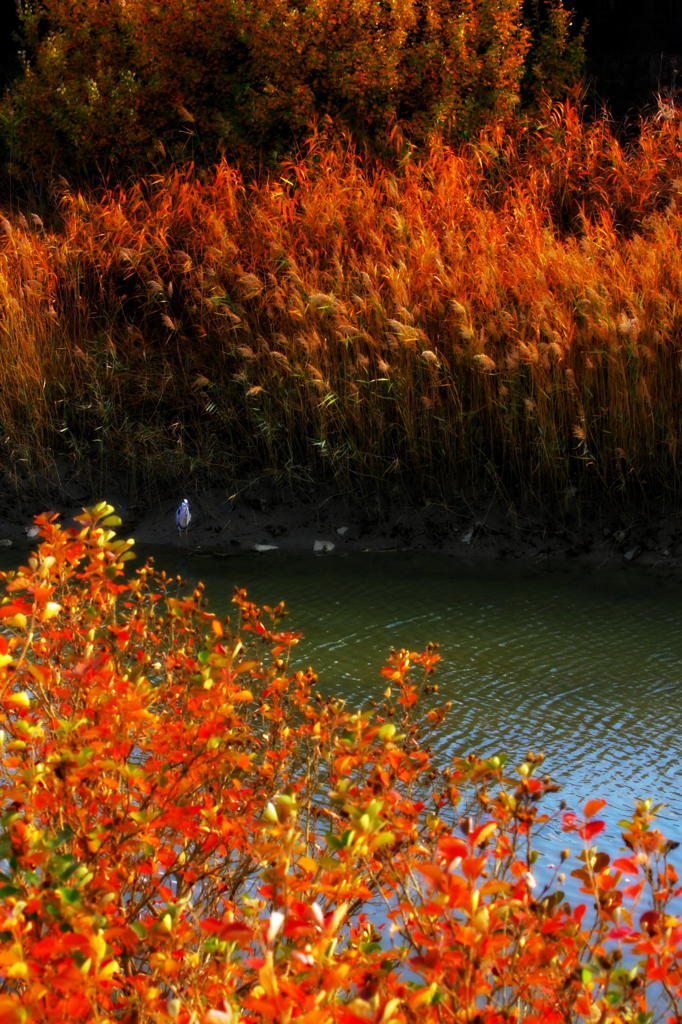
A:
{"x":511,"y":310}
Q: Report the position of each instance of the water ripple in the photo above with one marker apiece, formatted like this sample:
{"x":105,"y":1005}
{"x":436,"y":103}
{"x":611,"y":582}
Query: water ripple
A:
{"x":582,"y":664}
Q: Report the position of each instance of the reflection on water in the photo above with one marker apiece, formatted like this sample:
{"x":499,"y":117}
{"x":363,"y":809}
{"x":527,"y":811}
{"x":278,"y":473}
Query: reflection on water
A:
{"x":582,"y":664}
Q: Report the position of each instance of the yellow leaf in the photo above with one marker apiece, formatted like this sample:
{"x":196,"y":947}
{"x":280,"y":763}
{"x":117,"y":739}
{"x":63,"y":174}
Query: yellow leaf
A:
{"x":268,"y":978}
{"x":51,"y":609}
{"x":19,"y":700}
{"x":109,"y":970}
{"x":389,"y":1010}
{"x":99,"y":946}
{"x":308,"y":864}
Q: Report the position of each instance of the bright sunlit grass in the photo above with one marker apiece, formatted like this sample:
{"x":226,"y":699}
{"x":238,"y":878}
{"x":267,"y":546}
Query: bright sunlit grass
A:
{"x":509,"y":308}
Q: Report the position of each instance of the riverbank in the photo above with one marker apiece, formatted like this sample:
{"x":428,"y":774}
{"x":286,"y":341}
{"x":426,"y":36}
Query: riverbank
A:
{"x":479,"y":527}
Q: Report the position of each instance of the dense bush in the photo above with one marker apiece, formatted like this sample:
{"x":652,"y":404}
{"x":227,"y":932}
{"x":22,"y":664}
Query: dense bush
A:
{"x":121,"y":82}
{"x":189,"y":832}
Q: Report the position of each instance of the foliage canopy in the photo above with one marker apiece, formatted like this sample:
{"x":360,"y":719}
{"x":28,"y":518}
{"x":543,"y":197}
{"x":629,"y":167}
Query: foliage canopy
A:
{"x":128,"y":82}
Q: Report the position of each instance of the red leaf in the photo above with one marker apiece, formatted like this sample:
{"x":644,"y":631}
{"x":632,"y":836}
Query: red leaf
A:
{"x":12,"y":609}
{"x":211,"y":925}
{"x":649,"y":921}
{"x":591,"y":829}
{"x":452,"y":847}
{"x":236,"y":932}
{"x":626,"y":865}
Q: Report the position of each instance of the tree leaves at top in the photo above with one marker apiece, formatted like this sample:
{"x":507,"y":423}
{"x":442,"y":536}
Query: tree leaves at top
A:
{"x":125,"y":84}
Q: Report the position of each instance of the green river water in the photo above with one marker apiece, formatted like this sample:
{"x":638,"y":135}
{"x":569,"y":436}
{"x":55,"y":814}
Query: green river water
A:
{"x":583,"y":664}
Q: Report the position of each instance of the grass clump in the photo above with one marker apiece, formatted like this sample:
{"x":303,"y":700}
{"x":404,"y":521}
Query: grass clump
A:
{"x":508,"y":309}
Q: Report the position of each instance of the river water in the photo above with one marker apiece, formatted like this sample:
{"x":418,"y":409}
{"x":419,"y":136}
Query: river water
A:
{"x":582,"y":664}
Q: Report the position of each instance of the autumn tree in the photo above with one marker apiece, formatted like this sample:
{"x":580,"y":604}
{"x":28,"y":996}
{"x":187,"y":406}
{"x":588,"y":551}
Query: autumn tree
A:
{"x":119,"y":84}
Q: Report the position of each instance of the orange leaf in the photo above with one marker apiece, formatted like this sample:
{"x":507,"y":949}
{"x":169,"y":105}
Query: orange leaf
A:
{"x":11,"y":1011}
{"x":593,"y":807}
{"x":433,"y":873}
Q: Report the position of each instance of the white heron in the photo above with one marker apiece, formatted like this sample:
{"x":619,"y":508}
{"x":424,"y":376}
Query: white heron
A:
{"x":183,"y":517}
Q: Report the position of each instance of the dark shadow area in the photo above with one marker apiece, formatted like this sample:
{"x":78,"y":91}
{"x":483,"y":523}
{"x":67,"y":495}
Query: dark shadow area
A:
{"x":634,"y":50}
{"x":9,"y":23}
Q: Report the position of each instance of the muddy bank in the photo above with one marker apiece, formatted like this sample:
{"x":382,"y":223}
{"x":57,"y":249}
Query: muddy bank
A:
{"x":472,"y":526}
